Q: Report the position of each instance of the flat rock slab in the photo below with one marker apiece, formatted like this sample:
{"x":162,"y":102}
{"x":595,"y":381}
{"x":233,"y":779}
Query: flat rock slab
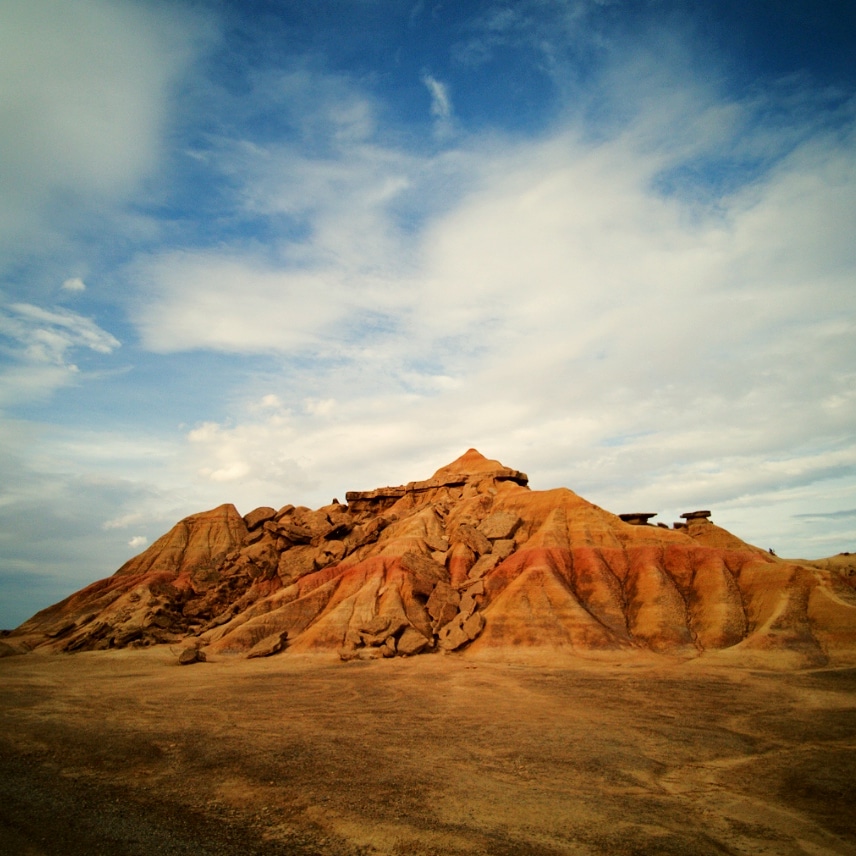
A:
{"x":501,"y":525}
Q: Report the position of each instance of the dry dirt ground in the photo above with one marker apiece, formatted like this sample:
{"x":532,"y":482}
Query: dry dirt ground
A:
{"x":126,"y":752}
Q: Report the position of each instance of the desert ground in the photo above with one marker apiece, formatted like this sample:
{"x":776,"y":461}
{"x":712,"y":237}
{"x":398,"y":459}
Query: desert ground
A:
{"x":125,"y":752}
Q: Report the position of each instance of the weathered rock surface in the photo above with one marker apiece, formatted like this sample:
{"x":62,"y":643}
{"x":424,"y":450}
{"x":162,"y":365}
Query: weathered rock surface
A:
{"x":258,"y":516}
{"x":500,"y":526}
{"x":469,"y":560}
{"x":189,"y":655}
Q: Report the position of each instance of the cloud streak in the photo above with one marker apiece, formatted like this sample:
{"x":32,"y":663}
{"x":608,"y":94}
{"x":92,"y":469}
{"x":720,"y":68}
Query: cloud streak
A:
{"x":441,"y":103}
{"x":38,"y":344}
{"x":47,"y":335}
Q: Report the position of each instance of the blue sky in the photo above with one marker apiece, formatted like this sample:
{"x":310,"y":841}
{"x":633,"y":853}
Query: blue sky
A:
{"x":268,"y":252}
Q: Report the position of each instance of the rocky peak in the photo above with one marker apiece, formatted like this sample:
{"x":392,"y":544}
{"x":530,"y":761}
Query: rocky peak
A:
{"x":472,"y":469}
{"x":470,"y":558}
{"x":473,"y":465}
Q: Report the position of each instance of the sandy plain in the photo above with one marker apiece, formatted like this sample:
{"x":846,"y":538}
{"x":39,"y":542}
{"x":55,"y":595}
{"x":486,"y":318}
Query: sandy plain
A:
{"x":125,"y":752}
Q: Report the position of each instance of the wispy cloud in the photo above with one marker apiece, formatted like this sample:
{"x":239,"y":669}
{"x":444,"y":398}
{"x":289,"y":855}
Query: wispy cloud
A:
{"x":828,"y":515}
{"x":38,"y":345}
{"x":74,"y":284}
{"x":234,"y":302}
{"x":47,"y":336}
{"x":441,"y":104}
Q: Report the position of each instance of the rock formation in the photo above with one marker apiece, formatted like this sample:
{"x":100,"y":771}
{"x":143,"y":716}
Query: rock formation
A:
{"x":469,"y":560}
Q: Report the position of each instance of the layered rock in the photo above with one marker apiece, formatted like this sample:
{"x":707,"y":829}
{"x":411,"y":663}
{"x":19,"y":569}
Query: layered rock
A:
{"x":468,"y":560}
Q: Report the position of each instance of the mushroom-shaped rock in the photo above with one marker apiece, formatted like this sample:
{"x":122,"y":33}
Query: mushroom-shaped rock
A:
{"x":638,"y":518}
{"x":698,"y":516}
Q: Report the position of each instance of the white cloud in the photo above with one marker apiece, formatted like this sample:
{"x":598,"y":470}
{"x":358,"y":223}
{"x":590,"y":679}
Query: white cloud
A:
{"x":24,"y":384}
{"x":123,"y":521}
{"x":441,"y":107}
{"x":38,"y":346}
{"x":258,"y":459}
{"x":234,"y":303}
{"x":322,"y":407}
{"x":83,"y":108}
{"x":441,"y":104}
{"x":45,"y":336}
{"x":138,"y":541}
{"x":562,"y":312}
{"x":75,"y":284}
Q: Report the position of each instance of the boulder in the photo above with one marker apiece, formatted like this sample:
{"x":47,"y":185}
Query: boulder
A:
{"x":482,"y":566}
{"x":468,"y":605}
{"x":437,"y":543}
{"x":295,"y":533}
{"x":191,"y":654}
{"x":268,"y":646}
{"x":332,"y":551}
{"x":501,"y":525}
{"x":443,"y":604}
{"x":340,"y":524}
{"x":473,"y":588}
{"x":375,"y":631}
{"x":412,"y":642}
{"x":461,"y":631}
{"x":460,"y":560}
{"x":474,"y":539}
{"x":259,"y":516}
{"x":502,"y":549}
{"x":696,"y":516}
{"x":423,"y":566}
{"x":296,"y":562}
{"x":261,"y":559}
{"x":637,"y":518}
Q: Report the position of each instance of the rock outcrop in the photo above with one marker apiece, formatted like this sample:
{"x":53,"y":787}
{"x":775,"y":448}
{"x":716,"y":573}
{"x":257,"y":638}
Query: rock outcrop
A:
{"x":468,"y":560}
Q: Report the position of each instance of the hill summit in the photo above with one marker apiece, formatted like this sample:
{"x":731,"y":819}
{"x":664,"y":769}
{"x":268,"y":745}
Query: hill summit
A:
{"x":469,"y":560}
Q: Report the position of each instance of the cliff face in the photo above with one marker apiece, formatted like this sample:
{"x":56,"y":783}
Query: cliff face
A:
{"x":469,"y":560}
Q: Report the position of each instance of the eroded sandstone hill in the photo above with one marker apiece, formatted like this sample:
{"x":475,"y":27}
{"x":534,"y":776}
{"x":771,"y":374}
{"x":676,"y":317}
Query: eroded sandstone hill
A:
{"x":470,"y":559}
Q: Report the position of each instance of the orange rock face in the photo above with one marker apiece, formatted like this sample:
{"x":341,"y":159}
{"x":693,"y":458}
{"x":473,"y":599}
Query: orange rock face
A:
{"x":469,"y":560}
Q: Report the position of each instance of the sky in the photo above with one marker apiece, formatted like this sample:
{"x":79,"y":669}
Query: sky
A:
{"x":269,"y":252}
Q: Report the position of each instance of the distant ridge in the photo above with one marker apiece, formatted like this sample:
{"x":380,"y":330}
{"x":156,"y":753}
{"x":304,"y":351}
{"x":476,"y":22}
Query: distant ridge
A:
{"x":470,"y":560}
